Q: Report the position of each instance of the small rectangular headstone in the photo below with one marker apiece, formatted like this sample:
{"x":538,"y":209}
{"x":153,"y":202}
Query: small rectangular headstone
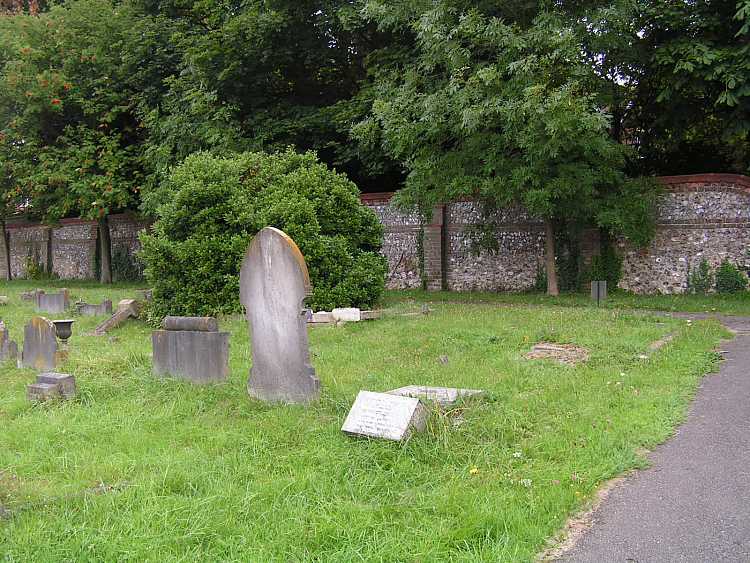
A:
{"x":52,"y":302}
{"x":65,"y":382}
{"x":89,"y":310}
{"x":382,"y":415}
{"x":444,"y":396}
{"x":42,"y":392}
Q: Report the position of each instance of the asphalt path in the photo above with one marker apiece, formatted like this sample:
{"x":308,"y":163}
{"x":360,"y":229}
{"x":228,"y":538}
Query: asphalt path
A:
{"x":693,"y":503}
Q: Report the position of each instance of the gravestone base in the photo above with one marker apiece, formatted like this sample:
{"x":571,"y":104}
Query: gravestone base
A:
{"x":198,"y":356}
{"x":37,"y":392}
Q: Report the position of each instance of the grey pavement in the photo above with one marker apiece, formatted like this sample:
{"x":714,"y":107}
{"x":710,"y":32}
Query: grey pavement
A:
{"x":693,"y":503}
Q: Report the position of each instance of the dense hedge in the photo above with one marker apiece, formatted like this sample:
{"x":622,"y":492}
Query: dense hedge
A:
{"x":214,"y":206}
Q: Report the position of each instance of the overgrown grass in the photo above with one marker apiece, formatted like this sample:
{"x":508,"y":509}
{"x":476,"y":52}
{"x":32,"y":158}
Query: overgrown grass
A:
{"x":730,"y":304}
{"x":147,"y":469}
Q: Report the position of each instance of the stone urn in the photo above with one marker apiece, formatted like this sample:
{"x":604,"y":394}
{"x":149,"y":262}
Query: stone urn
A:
{"x":64,"y":329}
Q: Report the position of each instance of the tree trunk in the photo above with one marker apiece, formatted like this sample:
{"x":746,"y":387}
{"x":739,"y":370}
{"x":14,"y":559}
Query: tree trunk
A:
{"x":549,"y":258}
{"x":105,"y":251}
{"x":6,"y":252}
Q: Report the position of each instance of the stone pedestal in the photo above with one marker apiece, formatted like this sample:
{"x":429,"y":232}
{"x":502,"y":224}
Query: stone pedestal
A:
{"x":199,"y":356}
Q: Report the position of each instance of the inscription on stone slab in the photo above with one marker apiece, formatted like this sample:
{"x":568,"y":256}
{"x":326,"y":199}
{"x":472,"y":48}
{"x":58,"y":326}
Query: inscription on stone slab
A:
{"x":382,"y":415}
{"x":273,"y":285}
{"x":444,"y":396}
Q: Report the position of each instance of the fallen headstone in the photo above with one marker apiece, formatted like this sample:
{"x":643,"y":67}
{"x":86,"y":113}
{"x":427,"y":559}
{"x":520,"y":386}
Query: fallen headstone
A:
{"x":126,"y":309}
{"x":191,"y":348}
{"x":274,"y":283}
{"x":40,"y":345}
{"x":4,"y":300}
{"x":386,"y":416}
{"x":569,"y":354}
{"x":52,"y":302}
{"x":444,"y":396}
{"x":51,"y":385}
{"x":89,"y":310}
{"x":370,"y":315}
{"x":8,"y":348}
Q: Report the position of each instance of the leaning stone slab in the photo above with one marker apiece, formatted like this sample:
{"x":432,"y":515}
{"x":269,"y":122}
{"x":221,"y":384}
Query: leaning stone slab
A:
{"x":347,"y":315}
{"x":43,"y":392}
{"x":8,"y":348}
{"x":89,"y":310}
{"x":444,"y":396}
{"x":52,"y":302}
{"x":65,"y":383}
{"x":132,"y":305}
{"x":273,"y":285}
{"x":200,"y":356}
{"x":40,"y":345}
{"x":4,"y":300}
{"x":382,"y":415}
{"x":126,"y":309}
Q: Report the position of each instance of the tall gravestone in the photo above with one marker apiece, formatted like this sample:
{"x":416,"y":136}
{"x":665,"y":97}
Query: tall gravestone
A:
{"x":39,"y":345}
{"x":273,"y":285}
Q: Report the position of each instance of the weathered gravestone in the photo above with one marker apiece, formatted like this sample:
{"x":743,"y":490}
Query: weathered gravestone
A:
{"x":52,"y":385}
{"x":444,"y":396}
{"x":273,"y":285}
{"x":191,"y":348}
{"x":39,"y":345}
{"x":52,"y":302}
{"x":382,"y":415}
{"x":8,"y":348}
{"x":89,"y":310}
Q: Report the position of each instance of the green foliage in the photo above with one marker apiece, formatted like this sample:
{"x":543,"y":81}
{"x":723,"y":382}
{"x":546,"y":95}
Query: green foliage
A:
{"x":215,"y":205}
{"x":701,"y":279}
{"x":607,"y":265}
{"x":34,"y":268}
{"x":729,"y":278}
{"x":125,"y":266}
{"x":505,"y":113}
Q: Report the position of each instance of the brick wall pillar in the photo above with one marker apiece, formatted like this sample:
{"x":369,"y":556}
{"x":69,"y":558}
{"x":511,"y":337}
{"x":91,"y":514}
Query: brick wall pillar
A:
{"x":434,"y":250}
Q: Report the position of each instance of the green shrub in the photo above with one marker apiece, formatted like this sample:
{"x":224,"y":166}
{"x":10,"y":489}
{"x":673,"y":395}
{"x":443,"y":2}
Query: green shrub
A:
{"x":216,"y":205}
{"x":729,"y":278}
{"x":700,"y":280}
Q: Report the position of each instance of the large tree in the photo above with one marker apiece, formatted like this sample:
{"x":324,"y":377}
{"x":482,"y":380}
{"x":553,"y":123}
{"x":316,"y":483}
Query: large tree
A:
{"x":72,"y":84}
{"x":504,"y":112}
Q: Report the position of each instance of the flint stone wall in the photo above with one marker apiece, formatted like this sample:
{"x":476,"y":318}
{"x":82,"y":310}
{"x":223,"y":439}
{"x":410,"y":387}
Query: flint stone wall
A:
{"x":700,"y":216}
{"x":70,"y":247}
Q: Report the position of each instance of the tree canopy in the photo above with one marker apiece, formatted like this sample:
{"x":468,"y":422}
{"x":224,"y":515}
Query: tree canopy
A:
{"x":560,"y":106}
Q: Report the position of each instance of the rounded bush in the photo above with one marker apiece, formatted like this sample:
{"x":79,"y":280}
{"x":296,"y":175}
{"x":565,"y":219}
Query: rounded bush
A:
{"x":213,"y":208}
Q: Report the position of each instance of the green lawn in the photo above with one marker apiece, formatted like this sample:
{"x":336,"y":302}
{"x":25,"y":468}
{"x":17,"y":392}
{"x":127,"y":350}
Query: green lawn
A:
{"x":139,"y":468}
{"x":729,"y":304}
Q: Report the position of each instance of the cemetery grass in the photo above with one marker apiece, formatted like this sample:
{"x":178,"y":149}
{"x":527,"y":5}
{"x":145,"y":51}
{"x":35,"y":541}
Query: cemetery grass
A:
{"x":145,"y":469}
{"x":726,"y":304}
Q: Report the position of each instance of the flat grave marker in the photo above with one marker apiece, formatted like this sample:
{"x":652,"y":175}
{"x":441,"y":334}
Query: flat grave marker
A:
{"x":444,"y":396}
{"x":386,"y":416}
